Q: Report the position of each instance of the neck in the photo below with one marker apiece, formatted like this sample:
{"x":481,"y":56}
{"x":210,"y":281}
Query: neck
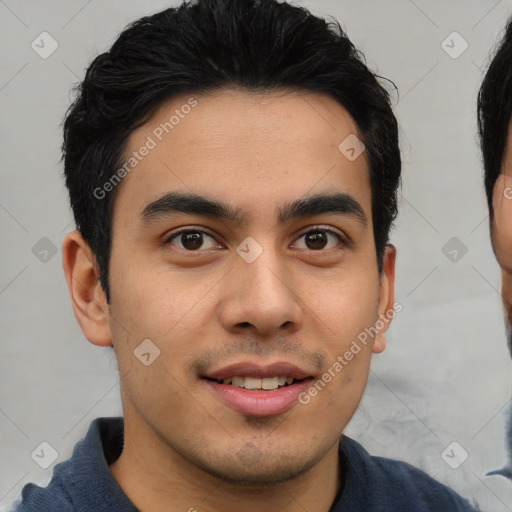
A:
{"x":155,"y":477}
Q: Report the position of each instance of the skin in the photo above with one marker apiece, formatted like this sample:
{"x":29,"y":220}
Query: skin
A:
{"x":501,"y":232}
{"x":501,"y":238}
{"x":293,"y":303}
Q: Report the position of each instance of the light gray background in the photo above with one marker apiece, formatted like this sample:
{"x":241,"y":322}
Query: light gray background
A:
{"x":446,"y":374}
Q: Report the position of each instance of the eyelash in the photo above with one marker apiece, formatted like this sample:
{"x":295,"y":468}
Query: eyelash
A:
{"x":312,"y":229}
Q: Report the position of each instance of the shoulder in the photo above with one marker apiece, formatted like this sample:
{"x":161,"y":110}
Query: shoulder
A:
{"x":84,"y":473}
{"x":396,"y":483}
{"x":54,"y":497}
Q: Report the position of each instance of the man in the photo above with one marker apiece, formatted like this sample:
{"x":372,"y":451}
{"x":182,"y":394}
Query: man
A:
{"x":494,"y":119}
{"x":232,"y":167}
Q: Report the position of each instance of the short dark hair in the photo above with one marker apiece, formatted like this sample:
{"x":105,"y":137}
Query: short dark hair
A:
{"x":494,"y":111}
{"x":206,"y":45}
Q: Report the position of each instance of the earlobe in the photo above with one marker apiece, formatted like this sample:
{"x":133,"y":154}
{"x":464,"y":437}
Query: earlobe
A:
{"x":379,"y":343}
{"x":386,"y":310}
{"x":87,"y":296}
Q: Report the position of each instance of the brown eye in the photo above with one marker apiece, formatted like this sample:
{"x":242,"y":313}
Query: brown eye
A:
{"x":190,"y":240}
{"x":318,"y":239}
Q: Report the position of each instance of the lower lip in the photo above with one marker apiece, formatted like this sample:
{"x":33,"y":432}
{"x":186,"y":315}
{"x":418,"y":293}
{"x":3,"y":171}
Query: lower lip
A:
{"x":259,"y":403}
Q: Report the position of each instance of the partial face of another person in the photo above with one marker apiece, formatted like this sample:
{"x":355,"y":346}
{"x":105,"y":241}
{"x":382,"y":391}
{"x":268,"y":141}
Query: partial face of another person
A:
{"x":267,"y":290}
{"x":501,"y":231}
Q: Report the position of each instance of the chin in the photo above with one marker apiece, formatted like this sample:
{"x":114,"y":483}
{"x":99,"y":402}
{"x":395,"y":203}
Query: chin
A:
{"x":252,"y":467}
{"x":259,"y":476}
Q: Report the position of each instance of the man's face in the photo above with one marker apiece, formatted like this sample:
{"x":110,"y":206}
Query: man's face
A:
{"x":260,"y":299}
{"x":501,"y":232}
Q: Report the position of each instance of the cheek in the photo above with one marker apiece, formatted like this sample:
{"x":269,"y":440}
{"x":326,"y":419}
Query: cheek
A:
{"x":337,"y":393}
{"x":152,"y":300}
{"x":502,"y":223}
{"x":506,"y":293}
{"x":162,"y":306}
{"x":346,"y":308}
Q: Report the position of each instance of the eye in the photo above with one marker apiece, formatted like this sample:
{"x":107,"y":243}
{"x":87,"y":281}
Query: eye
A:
{"x":190,"y":239}
{"x":318,"y":238}
{"x":193,"y":240}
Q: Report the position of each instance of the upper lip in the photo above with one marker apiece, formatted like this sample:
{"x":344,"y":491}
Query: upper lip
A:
{"x":248,"y":369}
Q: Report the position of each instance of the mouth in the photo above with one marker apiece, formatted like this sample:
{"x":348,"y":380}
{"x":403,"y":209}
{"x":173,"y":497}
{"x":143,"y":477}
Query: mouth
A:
{"x":257,"y":384}
{"x":259,"y":391}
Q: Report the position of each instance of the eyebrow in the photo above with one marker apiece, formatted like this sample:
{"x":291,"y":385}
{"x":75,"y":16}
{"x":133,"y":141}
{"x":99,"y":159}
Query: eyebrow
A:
{"x":181,"y":202}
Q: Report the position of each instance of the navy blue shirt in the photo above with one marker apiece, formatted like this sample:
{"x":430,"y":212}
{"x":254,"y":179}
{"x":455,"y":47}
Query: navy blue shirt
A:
{"x":84,"y":482}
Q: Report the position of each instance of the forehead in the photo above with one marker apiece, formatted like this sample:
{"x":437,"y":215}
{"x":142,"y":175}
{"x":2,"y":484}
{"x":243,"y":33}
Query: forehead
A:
{"x":250,"y":149}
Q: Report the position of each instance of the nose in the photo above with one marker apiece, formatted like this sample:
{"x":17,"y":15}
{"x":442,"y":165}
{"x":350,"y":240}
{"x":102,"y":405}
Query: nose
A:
{"x":261,"y":297}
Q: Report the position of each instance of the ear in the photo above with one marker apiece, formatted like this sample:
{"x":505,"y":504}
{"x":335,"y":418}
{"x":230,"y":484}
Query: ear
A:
{"x":386,"y":308}
{"x":87,"y":296}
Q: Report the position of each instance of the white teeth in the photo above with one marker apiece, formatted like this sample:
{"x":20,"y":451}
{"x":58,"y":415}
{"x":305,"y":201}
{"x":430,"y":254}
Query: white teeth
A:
{"x":269,"y":383}
{"x":252,"y":383}
{"x":266,"y":383}
{"x":238,"y":382}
